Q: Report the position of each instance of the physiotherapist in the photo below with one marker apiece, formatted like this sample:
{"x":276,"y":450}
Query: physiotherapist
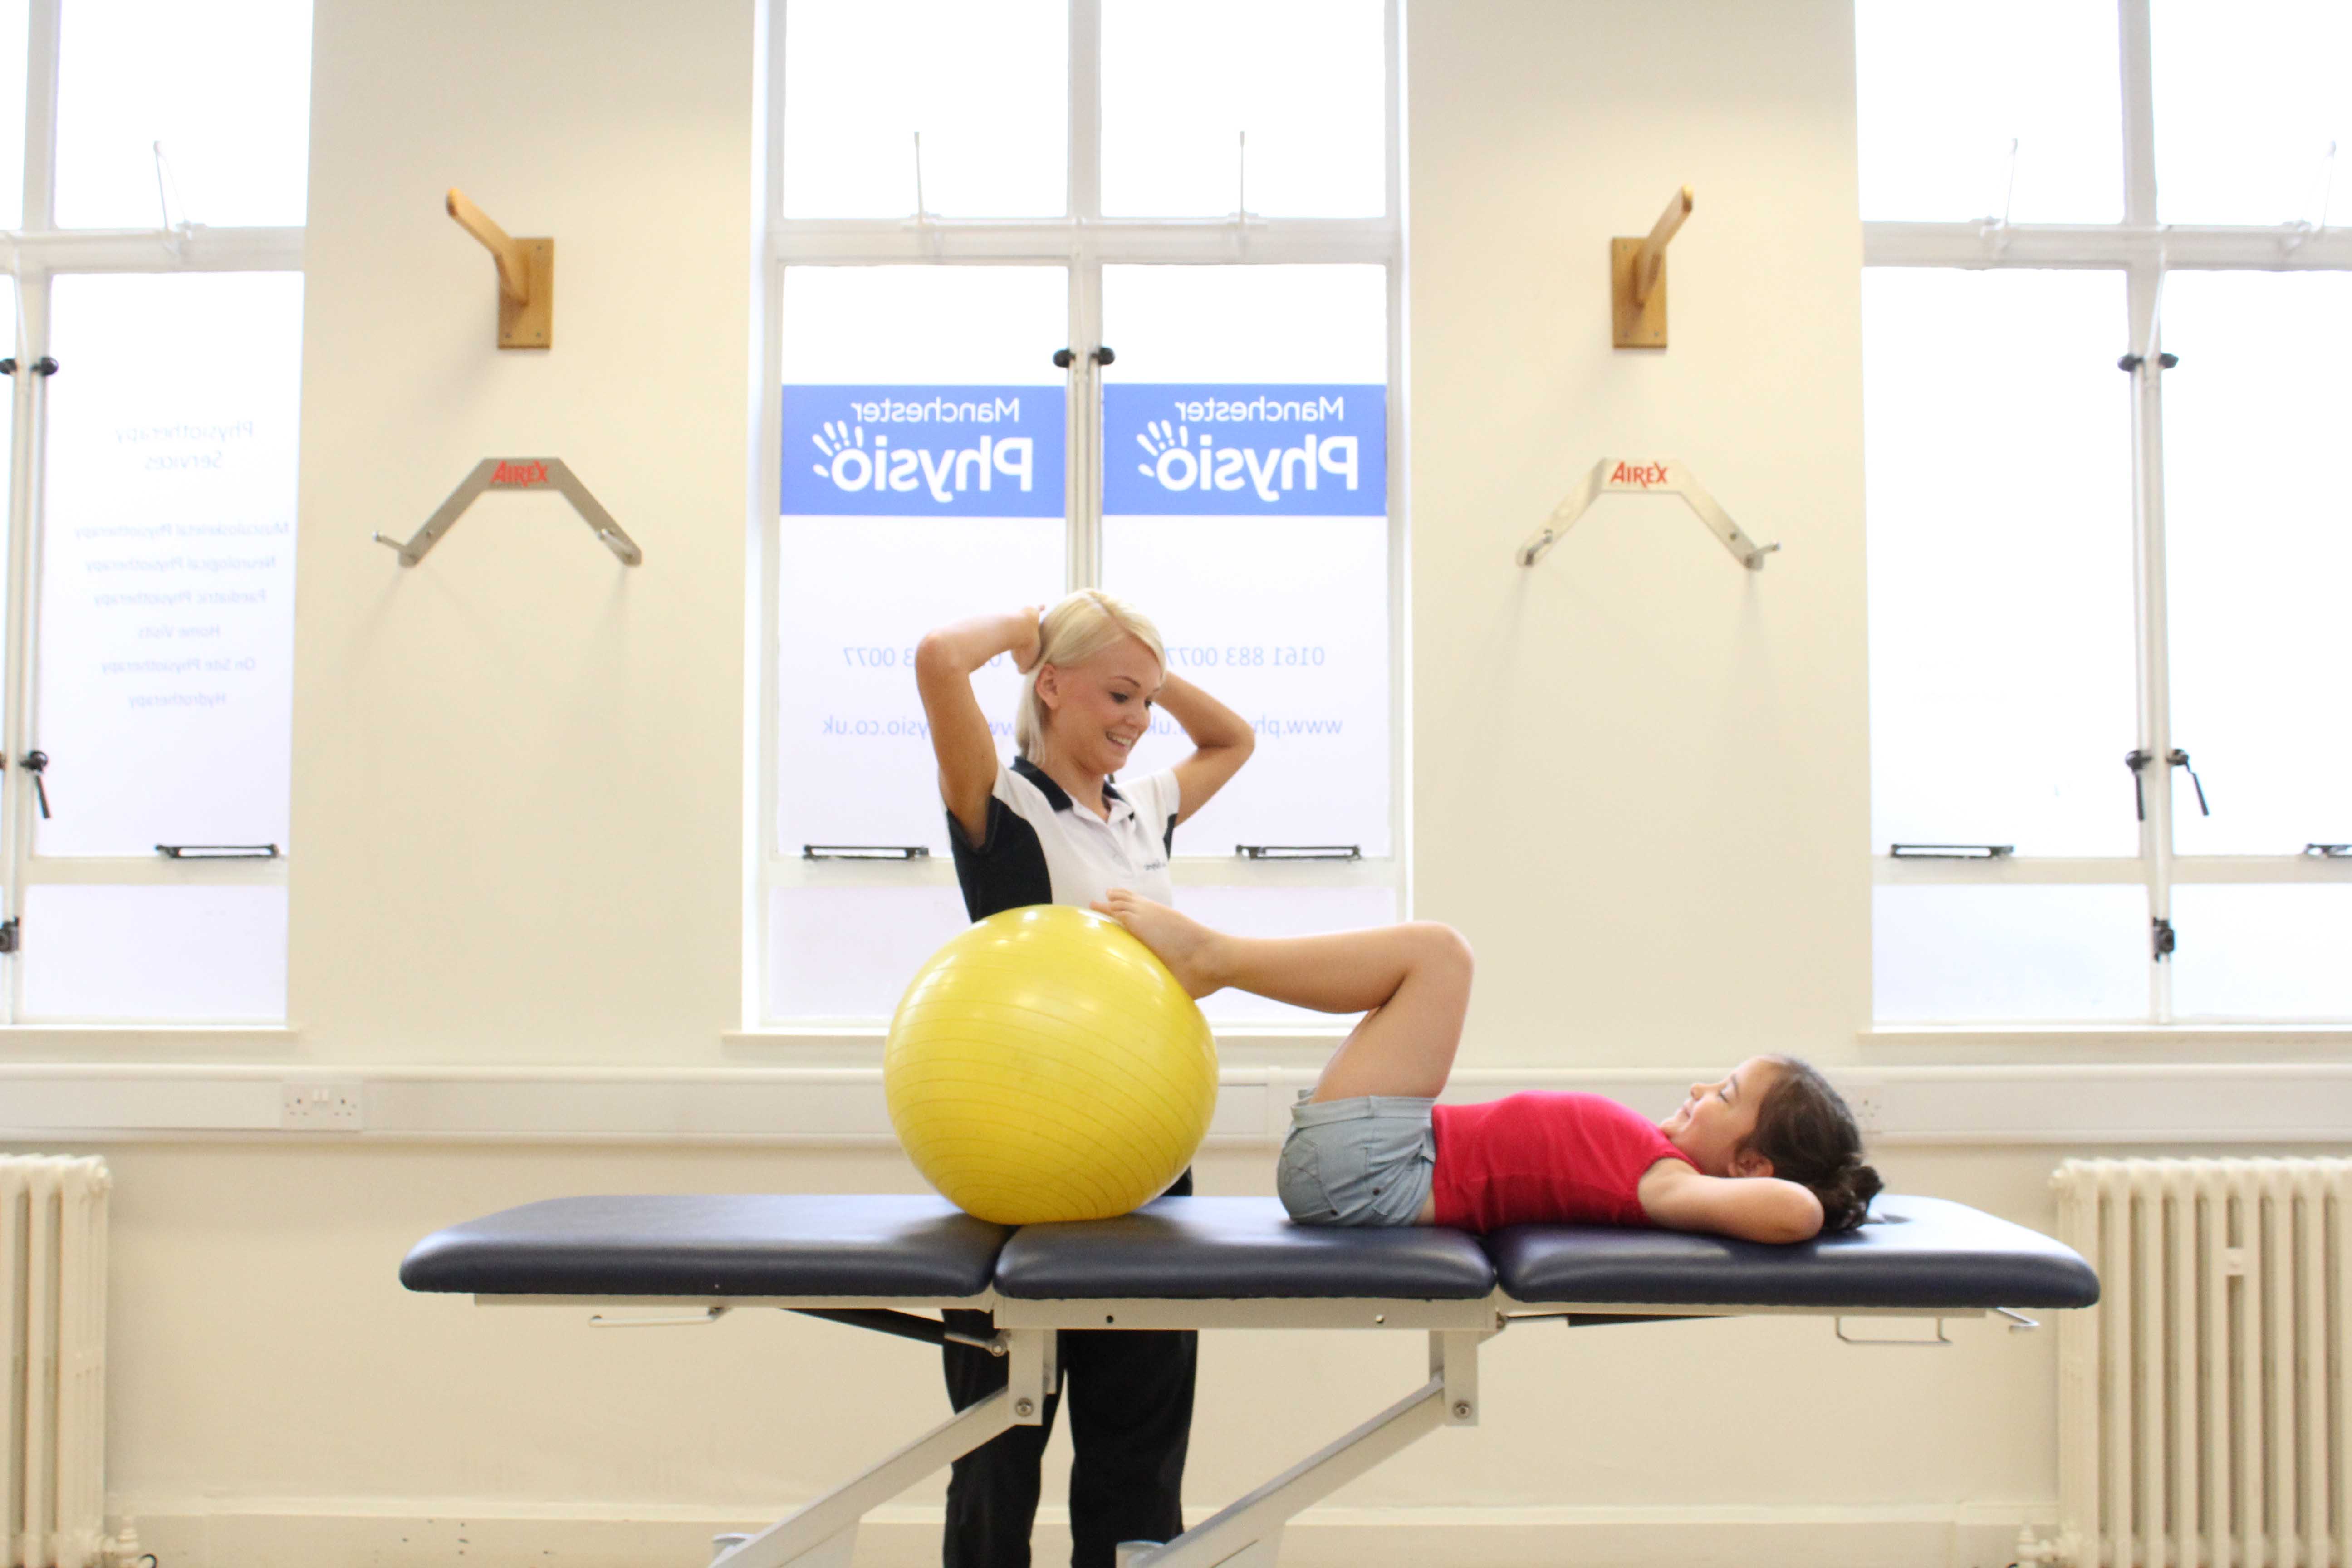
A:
{"x":1051,"y":828}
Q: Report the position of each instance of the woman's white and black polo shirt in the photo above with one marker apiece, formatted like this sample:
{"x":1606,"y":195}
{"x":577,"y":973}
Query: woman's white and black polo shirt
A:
{"x":1042,"y":848}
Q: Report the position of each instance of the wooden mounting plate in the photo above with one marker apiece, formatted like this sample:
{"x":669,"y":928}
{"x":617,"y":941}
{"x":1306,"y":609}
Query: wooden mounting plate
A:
{"x":1634,"y":326}
{"x":532,"y":325}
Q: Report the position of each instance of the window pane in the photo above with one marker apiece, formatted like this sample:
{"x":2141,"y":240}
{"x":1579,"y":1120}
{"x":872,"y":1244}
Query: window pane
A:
{"x":2258,"y":525}
{"x":849,"y":953}
{"x":1269,"y":581}
{"x":151,"y":954}
{"x":167,"y":561}
{"x":983,"y":86}
{"x":922,"y":484}
{"x":13,"y":32}
{"x":1942,"y":91}
{"x":1263,"y":911}
{"x":1997,"y":462}
{"x":1305,"y":80}
{"x":2251,"y":951}
{"x":2250,"y":98}
{"x":2029,"y":954}
{"x":226,"y":89}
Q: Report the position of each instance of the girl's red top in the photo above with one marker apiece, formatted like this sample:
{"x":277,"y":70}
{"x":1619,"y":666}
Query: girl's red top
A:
{"x":1570,"y":1158}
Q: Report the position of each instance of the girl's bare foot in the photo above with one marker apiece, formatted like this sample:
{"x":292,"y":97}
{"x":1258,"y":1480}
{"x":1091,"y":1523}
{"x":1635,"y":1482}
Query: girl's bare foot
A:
{"x":1187,"y":947}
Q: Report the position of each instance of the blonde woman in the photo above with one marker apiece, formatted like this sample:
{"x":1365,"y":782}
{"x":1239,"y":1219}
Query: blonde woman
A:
{"x":1050,"y":828}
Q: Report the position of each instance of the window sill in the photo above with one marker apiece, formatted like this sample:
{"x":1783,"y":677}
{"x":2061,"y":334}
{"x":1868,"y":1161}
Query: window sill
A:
{"x":1254,"y":1044}
{"x":147,"y":1043}
{"x":1970,"y":1044}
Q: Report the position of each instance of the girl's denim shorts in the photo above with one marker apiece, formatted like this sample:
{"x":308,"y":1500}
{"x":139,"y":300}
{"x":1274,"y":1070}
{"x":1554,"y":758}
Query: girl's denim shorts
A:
{"x":1368,"y":1161}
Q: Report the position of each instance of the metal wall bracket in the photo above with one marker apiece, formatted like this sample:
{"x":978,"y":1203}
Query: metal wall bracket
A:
{"x":517,"y":474}
{"x":1662,"y":477}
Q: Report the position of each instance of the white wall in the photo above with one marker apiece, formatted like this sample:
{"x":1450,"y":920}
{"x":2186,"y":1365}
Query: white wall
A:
{"x":1640,"y":778}
{"x":1641,"y":771}
{"x":517,"y":777}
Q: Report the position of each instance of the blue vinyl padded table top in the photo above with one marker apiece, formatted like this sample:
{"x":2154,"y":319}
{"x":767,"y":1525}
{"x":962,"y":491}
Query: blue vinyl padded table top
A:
{"x":1913,"y":1252}
{"x":1193,"y":1249}
{"x":914,"y":1246}
{"x":1922,"y":1254}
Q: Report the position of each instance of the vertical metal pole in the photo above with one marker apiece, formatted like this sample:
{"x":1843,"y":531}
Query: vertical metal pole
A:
{"x":1086,"y":111}
{"x":1399,"y":520}
{"x":32,"y":301}
{"x":1084,"y":555}
{"x":30,"y":401}
{"x":763,"y":528}
{"x":1084,"y":427}
{"x":2145,"y":285}
{"x":41,"y":115}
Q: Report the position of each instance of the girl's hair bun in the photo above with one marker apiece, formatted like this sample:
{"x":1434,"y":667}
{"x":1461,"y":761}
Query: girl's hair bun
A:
{"x":1806,"y":1129}
{"x":1845,"y":1198}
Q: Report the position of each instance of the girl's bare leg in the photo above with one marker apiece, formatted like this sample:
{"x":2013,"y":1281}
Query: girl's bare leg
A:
{"x":1411,"y":982}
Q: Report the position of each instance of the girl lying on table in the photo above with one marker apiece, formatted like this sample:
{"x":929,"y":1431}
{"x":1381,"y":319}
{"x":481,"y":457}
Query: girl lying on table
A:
{"x":1767,"y":1152}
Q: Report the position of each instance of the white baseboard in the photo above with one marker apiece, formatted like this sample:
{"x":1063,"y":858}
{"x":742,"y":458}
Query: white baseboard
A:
{"x":303,"y":1533}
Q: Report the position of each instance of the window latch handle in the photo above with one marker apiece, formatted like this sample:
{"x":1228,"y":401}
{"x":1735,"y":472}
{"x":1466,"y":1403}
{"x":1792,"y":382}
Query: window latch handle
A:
{"x":1299,"y":851}
{"x":2179,"y":759}
{"x":36,"y":764}
{"x":866,"y":851}
{"x":2138,"y":761}
{"x":1950,"y":851}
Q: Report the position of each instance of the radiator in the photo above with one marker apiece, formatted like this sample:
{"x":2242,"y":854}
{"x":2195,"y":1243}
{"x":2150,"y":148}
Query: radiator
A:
{"x":2202,"y":1405}
{"x":53,"y":1317}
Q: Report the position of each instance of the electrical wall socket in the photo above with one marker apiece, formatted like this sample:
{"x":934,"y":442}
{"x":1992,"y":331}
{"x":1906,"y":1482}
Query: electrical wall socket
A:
{"x":320,"y":1105}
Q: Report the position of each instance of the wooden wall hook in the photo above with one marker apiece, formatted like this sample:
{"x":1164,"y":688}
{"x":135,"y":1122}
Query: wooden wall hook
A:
{"x":526,"y":276}
{"x":1637,"y":279}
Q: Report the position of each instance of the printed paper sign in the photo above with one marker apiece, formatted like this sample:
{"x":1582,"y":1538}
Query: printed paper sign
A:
{"x":1246,"y":450}
{"x":923,"y":451}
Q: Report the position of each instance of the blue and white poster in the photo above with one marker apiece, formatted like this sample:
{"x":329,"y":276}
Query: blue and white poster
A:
{"x":923,"y":451}
{"x":1246,"y":450}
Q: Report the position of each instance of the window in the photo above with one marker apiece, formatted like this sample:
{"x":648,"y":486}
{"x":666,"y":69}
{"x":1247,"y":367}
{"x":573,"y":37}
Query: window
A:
{"x":959,"y":194}
{"x":156,"y":259}
{"x":2108,"y":508}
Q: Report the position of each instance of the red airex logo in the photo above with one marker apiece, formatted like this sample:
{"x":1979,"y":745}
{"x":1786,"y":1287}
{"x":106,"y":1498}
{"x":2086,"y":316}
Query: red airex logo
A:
{"x":1641,"y":475}
{"x":519,"y":474}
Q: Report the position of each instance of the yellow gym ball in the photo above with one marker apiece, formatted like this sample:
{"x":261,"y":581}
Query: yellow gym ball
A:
{"x":1045,"y":1066}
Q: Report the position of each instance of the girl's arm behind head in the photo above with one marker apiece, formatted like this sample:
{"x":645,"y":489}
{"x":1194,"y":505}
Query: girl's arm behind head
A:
{"x":1752,"y":1208}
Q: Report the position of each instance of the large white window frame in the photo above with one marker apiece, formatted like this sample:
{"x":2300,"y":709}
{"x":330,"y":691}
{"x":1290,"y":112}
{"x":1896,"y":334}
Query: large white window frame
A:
{"x":35,"y":254}
{"x":2144,"y":249}
{"x":1084,"y":241}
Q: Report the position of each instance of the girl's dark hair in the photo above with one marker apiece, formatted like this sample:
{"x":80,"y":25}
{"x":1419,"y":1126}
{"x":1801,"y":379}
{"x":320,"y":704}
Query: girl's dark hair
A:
{"x":1803,"y":1127}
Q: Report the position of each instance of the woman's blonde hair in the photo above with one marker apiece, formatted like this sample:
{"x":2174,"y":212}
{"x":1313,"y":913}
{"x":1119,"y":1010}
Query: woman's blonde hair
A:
{"x":1069,"y":635}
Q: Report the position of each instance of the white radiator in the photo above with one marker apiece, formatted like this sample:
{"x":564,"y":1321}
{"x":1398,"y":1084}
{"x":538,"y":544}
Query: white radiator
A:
{"x":52,"y":1321}
{"x":2202,"y":1404}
